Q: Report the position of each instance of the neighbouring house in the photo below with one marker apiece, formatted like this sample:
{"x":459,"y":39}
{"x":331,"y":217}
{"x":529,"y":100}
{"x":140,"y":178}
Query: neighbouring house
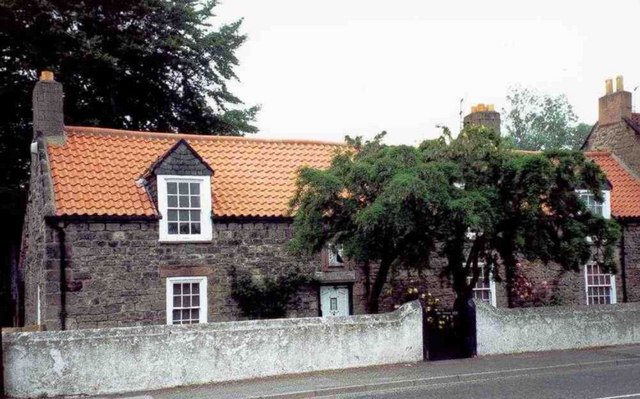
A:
{"x":128,"y":228}
{"x":618,"y":127}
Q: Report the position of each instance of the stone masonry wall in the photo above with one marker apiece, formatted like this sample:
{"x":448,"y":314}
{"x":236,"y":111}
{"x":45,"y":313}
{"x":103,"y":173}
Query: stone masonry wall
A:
{"x":117,"y":271}
{"x":632,"y":261}
{"x":620,"y":139}
{"x":35,"y":234}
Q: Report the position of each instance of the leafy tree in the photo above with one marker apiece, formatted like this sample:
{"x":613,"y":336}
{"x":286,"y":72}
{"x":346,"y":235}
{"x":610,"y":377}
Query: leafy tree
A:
{"x":470,"y":200}
{"x":512,"y":204}
{"x":138,"y":64}
{"x":536,"y":121}
{"x":381,"y":203}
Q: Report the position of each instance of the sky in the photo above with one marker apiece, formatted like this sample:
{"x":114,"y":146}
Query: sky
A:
{"x":325,"y":69}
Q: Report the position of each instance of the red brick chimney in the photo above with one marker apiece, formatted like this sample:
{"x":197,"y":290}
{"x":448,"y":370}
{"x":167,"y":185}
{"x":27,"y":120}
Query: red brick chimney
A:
{"x":614,"y":106}
{"x":47,"y":107}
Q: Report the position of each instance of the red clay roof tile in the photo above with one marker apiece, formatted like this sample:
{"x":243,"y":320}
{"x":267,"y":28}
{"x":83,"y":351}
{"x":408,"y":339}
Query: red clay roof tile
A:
{"x":625,"y":190}
{"x":95,"y":171}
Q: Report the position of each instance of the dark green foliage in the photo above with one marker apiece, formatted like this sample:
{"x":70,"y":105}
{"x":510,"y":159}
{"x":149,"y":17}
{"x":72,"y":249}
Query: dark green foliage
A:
{"x":135,"y":64}
{"x":536,"y":121}
{"x":470,"y":199}
{"x":267,"y":297}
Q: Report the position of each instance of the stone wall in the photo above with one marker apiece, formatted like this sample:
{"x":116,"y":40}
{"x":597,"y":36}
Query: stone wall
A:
{"x":95,"y":362}
{"x":620,"y":139}
{"x":35,"y":235}
{"x":116,"y":274}
{"x":631,"y":232}
{"x":555,"y":328}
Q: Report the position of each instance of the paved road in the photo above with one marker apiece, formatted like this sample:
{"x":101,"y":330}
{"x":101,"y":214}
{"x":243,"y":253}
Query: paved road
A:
{"x":597,"y":381}
{"x":598,"y":373}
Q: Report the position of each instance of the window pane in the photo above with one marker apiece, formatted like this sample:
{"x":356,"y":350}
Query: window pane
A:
{"x":195,"y":188}
{"x":195,"y":216}
{"x":184,"y":201}
{"x":186,"y":301}
{"x":195,"y":300}
{"x":172,"y":188}
{"x":176,"y":317}
{"x":173,"y":228}
{"x":195,"y":201}
{"x":186,"y":314}
{"x":184,"y":228}
{"x":184,"y":216}
{"x":176,"y":302}
{"x":172,"y":215}
{"x":172,"y":201}
{"x":195,"y":228}
{"x":186,"y":288}
{"x":183,"y":188}
{"x":195,"y":315}
{"x":195,"y":288}
{"x":177,"y":289}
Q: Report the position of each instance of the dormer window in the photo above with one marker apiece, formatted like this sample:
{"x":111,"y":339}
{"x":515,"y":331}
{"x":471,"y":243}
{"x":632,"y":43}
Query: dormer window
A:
{"x":184,"y":203}
{"x":600,"y":208}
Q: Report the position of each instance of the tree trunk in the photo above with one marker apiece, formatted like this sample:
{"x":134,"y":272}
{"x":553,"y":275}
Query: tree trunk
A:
{"x":510,"y":264}
{"x":378,"y":284}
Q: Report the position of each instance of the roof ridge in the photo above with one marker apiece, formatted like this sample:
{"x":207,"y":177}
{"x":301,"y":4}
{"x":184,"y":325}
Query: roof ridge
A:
{"x":597,"y":152}
{"x":162,"y":135}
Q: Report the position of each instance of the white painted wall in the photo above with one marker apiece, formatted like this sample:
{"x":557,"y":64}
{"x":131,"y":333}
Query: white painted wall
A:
{"x":117,"y":360}
{"x":502,"y":330}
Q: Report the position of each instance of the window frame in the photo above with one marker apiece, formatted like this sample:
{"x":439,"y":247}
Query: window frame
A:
{"x":613,"y":295}
{"x":338,"y":251}
{"x":492,"y":287}
{"x":206,"y":229}
{"x":606,"y":203}
{"x":202,"y":280}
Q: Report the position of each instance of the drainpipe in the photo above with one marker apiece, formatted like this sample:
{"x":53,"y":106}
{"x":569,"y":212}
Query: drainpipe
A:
{"x":623,"y":265}
{"x":59,"y":228}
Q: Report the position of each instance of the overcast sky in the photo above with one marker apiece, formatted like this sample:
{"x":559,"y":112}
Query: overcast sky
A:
{"x":324,"y":69}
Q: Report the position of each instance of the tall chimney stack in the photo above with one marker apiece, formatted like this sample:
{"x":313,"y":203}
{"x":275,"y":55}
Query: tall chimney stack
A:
{"x":483,"y":115}
{"x":47,"y":107}
{"x":614,"y":107}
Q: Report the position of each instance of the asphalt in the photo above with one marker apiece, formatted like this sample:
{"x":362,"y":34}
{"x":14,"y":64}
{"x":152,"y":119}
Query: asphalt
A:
{"x":593,"y":373}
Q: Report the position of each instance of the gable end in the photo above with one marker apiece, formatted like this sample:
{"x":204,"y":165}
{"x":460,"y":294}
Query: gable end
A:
{"x":180,"y":160}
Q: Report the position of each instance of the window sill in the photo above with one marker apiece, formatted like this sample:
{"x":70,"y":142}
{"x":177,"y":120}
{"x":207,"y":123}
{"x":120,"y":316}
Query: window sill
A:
{"x":185,"y":241}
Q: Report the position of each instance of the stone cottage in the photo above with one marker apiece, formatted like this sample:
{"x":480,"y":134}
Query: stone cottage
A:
{"x":127,"y":228}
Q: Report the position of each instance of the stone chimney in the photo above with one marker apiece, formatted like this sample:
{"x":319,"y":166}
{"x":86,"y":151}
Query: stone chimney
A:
{"x":614,"y":106}
{"x":47,"y":107}
{"x":483,"y":115}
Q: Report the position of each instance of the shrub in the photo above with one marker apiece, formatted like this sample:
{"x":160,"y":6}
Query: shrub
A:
{"x":267,"y":297}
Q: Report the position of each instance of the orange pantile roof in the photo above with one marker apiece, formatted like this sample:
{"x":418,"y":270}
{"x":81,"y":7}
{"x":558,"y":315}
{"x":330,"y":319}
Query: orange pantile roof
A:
{"x":625,"y":191}
{"x":95,"y":171}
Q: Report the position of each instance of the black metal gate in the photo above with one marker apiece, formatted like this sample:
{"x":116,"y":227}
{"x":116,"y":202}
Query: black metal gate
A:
{"x":450,"y":333}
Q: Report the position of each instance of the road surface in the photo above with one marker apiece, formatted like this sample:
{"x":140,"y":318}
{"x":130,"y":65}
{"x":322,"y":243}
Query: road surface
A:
{"x":617,"y":380}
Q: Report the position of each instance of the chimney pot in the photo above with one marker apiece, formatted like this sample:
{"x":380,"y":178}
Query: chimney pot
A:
{"x":608,"y":86}
{"x":46,"y":75}
{"x":619,"y":83}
